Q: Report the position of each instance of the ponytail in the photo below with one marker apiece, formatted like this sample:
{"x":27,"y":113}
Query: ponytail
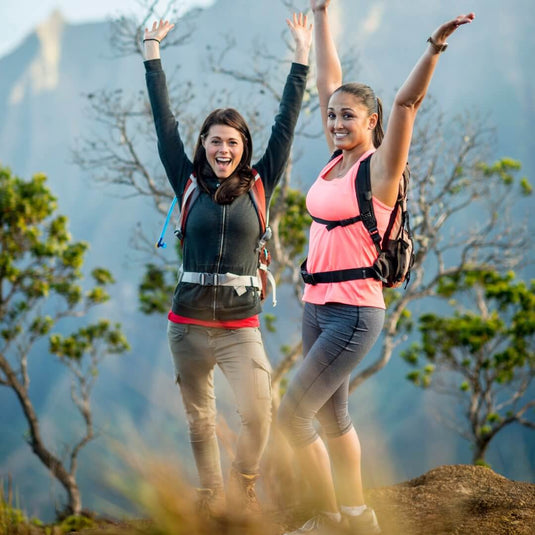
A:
{"x":378,"y":133}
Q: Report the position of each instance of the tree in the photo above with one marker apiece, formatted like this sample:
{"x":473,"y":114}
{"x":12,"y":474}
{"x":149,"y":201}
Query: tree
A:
{"x":482,"y":355}
{"x":41,"y":292}
{"x":465,"y":215}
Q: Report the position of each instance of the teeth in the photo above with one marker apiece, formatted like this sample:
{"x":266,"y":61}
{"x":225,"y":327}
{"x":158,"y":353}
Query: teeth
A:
{"x":222,"y":160}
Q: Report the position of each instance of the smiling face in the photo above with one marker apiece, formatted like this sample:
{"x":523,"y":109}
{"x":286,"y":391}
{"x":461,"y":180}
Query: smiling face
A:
{"x":224,"y":149}
{"x":349,"y":122}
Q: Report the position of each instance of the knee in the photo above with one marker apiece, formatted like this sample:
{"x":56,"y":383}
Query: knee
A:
{"x":335,"y":425}
{"x":201,"y":428}
{"x":257,"y":418}
{"x":297,"y":428}
{"x":338,"y":428}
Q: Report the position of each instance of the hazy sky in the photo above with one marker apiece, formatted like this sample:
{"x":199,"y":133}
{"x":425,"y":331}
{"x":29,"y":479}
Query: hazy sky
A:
{"x":20,"y":17}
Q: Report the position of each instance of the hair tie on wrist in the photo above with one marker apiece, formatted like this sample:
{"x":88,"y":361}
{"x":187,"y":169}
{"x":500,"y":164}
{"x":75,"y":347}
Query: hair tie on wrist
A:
{"x":151,"y":39}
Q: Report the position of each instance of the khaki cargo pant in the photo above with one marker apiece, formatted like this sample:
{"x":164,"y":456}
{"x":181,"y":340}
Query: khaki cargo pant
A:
{"x":240,"y":354}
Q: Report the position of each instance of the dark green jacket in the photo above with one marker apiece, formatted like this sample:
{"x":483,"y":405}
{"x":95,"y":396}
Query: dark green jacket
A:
{"x":221,"y":238}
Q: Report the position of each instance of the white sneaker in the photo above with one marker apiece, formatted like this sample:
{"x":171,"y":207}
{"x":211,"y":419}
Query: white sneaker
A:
{"x":364,"y":524}
{"x":318,"y":525}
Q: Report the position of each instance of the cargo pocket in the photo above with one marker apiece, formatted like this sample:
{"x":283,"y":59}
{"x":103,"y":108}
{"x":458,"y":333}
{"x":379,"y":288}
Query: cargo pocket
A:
{"x":176,"y":331}
{"x":175,"y":335}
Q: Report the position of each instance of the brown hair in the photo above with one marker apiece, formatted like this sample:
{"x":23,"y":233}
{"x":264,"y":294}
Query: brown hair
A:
{"x":366,"y":95}
{"x":242,"y":179}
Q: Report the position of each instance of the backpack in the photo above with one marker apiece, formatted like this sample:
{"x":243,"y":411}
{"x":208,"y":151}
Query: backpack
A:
{"x":258,"y":198}
{"x":395,"y":250}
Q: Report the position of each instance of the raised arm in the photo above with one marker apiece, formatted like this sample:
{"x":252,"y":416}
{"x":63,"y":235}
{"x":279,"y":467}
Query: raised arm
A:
{"x":170,"y":146}
{"x":328,"y":67}
{"x":272,"y":163}
{"x":389,"y":161}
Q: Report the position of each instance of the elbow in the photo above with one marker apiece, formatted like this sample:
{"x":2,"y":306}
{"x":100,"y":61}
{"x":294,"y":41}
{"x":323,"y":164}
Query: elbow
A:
{"x":409,"y":102}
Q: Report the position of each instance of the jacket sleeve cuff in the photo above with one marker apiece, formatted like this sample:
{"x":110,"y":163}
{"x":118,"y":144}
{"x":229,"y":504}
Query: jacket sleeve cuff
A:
{"x":152,"y":65}
{"x":299,"y":68}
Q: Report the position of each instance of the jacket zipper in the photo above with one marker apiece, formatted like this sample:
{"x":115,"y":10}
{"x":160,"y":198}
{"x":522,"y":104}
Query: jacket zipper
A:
{"x":223,"y":217}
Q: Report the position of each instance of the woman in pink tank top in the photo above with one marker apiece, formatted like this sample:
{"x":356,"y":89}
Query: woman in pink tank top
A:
{"x":343,"y":318}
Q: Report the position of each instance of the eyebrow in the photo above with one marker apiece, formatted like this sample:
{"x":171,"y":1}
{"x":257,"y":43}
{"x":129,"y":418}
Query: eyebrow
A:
{"x":342,"y":109}
{"x":228,"y":138}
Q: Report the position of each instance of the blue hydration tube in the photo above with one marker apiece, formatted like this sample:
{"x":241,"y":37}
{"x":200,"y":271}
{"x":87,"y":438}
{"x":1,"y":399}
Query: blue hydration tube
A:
{"x":160,"y":242}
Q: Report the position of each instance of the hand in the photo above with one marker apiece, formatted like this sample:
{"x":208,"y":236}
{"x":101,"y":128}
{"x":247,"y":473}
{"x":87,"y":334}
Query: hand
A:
{"x":301,"y":32}
{"x":159,"y":30}
{"x":440,"y":35}
{"x":319,"y":5}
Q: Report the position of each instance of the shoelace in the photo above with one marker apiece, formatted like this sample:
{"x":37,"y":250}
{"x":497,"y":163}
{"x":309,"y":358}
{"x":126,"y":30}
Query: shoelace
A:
{"x":250,"y":491}
{"x":315,"y":522}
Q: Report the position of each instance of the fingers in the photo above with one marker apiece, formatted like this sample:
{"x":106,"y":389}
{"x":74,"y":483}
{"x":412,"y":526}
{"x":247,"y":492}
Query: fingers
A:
{"x":444,"y":31}
{"x":464,"y":19}
{"x":460,"y":20}
{"x":299,"y":20}
{"x":159,"y":29}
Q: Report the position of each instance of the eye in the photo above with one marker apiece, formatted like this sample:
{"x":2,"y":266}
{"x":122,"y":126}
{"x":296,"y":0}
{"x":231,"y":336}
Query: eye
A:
{"x":348,"y":116}
{"x":330,"y":115}
{"x":216,"y":142}
{"x":233,"y":143}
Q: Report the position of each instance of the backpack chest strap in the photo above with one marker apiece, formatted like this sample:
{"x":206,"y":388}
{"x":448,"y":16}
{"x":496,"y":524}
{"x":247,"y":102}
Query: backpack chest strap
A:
{"x":340,"y":275}
{"x":329,"y":224}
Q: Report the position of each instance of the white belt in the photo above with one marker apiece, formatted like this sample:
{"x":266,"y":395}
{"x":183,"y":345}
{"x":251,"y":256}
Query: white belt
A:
{"x":239,"y":282}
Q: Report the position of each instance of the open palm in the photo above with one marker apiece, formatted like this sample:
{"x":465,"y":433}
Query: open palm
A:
{"x":159,"y":30}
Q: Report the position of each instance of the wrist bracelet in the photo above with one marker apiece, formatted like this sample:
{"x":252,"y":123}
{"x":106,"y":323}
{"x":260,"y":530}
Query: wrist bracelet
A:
{"x":152,"y":39}
{"x":437,"y":49}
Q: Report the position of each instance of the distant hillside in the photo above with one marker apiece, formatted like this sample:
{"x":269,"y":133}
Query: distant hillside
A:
{"x":43,"y":111}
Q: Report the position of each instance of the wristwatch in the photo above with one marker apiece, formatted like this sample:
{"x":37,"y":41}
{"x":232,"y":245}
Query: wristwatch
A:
{"x":437,"y":49}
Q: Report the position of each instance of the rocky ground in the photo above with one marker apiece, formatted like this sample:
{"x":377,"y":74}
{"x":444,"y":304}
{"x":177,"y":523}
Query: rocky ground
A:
{"x":453,"y":500}
{"x":458,"y":499}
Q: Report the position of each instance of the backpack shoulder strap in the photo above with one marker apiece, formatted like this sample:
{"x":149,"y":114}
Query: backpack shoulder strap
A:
{"x":191,"y":192}
{"x":363,"y":188}
{"x":258,"y":196}
{"x":335,"y":154}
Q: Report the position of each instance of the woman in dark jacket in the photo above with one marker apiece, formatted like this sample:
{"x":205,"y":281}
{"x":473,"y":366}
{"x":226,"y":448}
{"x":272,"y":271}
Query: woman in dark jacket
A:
{"x":214,"y":315}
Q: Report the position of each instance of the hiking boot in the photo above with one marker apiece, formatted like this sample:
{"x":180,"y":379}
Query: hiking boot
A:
{"x":242,"y":493}
{"x":318,"y":525}
{"x":363,"y":524}
{"x":211,"y":502}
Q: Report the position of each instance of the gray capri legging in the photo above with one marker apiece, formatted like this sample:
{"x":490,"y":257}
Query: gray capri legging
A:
{"x":336,"y":337}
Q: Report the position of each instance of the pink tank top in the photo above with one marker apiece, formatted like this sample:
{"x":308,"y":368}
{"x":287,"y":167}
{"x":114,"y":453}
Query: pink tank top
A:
{"x":342,"y":247}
